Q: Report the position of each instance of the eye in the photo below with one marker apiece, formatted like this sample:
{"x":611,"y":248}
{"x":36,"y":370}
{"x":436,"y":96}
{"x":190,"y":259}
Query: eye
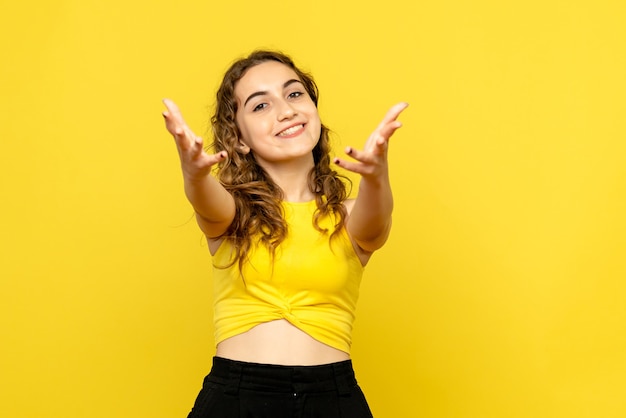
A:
{"x":295,"y":94}
{"x":260,"y":106}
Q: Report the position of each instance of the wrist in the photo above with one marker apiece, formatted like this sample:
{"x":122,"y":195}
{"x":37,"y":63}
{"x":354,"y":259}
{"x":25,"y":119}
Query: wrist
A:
{"x":376,"y":182}
{"x":193,"y":177}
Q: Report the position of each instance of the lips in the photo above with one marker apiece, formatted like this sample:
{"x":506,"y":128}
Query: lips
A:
{"x":291,"y":131}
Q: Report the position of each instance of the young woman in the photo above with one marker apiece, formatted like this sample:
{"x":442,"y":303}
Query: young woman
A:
{"x":288,"y":246}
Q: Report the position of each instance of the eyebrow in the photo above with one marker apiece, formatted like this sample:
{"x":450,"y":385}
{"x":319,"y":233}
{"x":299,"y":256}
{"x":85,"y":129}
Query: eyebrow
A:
{"x":261,"y":93}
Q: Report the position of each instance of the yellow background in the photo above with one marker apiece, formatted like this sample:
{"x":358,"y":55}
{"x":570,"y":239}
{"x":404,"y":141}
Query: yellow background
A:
{"x":502,"y":290}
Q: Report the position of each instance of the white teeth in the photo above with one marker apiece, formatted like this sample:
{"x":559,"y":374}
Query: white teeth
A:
{"x":289,"y":131}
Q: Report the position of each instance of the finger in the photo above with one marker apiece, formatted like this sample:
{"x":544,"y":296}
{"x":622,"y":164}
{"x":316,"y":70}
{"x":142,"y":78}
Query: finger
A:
{"x":173,"y":116}
{"x":190,"y":142}
{"x":363,"y":169}
{"x":178,"y":132}
{"x":183,"y":136}
{"x":173,"y":110}
{"x":347,"y":165}
{"x":216,"y":158}
{"x":388,"y":130}
{"x":379,"y":139}
{"x":176,"y":125}
{"x":367,"y":157}
{"x":393,"y":113}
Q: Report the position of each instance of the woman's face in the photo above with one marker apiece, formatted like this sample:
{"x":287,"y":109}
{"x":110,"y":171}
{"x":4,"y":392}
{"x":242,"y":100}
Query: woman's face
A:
{"x":275,"y":115}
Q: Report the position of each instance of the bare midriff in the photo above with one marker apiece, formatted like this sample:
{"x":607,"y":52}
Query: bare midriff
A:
{"x":279,"y":342}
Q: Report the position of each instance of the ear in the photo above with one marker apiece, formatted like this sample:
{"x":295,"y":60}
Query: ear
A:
{"x":241,"y":147}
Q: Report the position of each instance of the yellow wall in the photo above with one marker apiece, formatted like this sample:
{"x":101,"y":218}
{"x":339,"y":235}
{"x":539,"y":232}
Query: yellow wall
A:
{"x":502,"y":290}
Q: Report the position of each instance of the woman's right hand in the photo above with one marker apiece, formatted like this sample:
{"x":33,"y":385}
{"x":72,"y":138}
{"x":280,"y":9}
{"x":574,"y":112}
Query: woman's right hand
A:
{"x":195,"y":161}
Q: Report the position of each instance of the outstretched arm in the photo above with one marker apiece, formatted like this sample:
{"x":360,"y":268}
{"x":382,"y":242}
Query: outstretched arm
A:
{"x":214,"y":206}
{"x":369,"y":221}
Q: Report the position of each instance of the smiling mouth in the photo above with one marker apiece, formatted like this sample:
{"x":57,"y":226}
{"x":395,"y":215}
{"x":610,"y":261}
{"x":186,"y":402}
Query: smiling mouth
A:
{"x":291,"y":131}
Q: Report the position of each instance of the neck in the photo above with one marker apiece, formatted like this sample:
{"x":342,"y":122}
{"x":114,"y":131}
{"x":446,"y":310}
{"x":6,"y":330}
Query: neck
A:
{"x":293,"y":179}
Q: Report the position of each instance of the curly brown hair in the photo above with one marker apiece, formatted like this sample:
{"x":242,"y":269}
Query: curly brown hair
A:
{"x":259,"y":213}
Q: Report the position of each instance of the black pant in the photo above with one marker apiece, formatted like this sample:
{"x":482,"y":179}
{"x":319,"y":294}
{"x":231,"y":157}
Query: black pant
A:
{"x":236,"y":389}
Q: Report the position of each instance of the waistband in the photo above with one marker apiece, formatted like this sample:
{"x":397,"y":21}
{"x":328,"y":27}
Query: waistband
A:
{"x":236,"y":375}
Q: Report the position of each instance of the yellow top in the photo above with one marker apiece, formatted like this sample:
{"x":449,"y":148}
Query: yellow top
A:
{"x":313,"y":284}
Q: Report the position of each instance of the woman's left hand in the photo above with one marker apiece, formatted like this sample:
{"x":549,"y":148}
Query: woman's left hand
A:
{"x":371,"y":162}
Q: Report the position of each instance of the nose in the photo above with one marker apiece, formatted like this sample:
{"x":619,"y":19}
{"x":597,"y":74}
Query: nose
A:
{"x":286,"y":111}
